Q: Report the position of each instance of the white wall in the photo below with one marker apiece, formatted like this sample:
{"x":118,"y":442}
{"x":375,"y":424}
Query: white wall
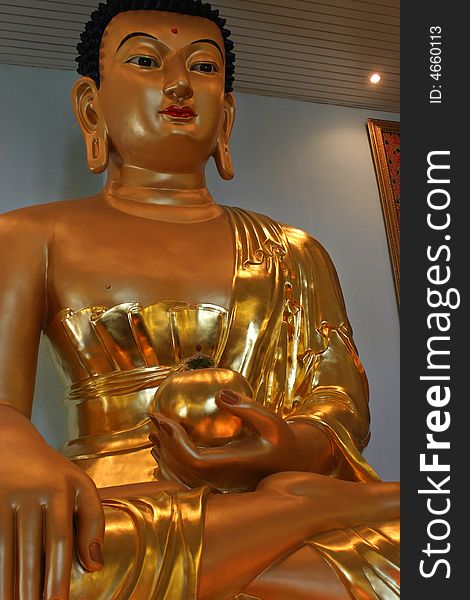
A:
{"x":304,"y":164}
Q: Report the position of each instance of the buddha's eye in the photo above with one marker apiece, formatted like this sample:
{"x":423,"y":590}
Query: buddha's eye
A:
{"x":205,"y":67}
{"x":143,"y":61}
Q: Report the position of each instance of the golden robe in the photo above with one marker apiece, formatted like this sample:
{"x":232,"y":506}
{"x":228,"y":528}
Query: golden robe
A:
{"x":287,"y":332}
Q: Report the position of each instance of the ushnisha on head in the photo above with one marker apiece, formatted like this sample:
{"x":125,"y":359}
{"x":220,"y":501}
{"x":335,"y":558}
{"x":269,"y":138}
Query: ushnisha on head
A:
{"x":155,"y":92}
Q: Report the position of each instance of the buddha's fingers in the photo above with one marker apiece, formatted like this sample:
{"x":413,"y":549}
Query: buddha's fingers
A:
{"x":7,"y":552}
{"x":175,"y":440}
{"x":90,"y":525}
{"x":29,"y":551}
{"x":267,"y":423}
{"x":58,"y":547}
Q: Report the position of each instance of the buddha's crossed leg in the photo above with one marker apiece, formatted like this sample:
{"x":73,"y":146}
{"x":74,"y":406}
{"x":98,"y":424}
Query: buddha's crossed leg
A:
{"x":261,"y":544}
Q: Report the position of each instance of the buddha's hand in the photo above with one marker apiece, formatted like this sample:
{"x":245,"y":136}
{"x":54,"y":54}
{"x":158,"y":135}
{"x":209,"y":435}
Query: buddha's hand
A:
{"x":273,"y":446}
{"x":42,"y":496}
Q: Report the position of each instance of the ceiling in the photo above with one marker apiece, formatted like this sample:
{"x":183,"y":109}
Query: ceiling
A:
{"x":313,"y":50}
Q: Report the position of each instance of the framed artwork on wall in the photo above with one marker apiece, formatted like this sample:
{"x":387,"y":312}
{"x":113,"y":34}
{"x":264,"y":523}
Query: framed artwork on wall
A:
{"x":385,"y":144}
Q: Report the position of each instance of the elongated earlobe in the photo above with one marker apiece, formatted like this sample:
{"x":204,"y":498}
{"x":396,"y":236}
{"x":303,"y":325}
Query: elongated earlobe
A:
{"x":223,"y":160}
{"x":221,"y":154}
{"x":97,"y":152}
{"x":86,"y":107}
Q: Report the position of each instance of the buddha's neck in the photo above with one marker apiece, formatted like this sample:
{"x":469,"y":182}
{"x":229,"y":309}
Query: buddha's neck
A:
{"x":171,"y":197}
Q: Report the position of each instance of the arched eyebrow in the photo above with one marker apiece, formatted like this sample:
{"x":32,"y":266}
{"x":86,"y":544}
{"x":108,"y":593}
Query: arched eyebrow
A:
{"x":136,"y":34}
{"x":213,"y":42}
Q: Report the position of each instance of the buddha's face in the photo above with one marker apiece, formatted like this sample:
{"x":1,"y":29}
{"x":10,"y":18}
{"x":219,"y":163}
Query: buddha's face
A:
{"x":162,"y":89}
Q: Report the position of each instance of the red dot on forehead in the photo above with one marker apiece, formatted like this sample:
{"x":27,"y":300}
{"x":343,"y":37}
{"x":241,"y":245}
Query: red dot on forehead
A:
{"x":174,"y":30}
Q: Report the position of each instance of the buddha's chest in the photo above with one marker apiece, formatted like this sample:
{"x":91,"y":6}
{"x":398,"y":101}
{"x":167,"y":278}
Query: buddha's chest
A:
{"x":145,"y":262}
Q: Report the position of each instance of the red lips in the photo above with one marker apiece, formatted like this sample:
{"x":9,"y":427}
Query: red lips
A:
{"x":178,"y":112}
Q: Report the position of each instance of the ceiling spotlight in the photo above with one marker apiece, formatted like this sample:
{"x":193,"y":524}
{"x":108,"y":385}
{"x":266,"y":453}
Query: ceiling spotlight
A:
{"x":375,"y":78}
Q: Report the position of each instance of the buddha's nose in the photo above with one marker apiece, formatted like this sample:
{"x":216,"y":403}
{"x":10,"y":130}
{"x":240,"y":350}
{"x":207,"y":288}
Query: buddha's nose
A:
{"x":179,"y":90}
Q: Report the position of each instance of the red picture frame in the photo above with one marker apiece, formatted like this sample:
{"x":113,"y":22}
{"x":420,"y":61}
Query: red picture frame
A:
{"x":385,"y":145}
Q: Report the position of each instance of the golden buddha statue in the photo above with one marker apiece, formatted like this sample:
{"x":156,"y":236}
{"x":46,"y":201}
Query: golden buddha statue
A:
{"x":216,"y":405}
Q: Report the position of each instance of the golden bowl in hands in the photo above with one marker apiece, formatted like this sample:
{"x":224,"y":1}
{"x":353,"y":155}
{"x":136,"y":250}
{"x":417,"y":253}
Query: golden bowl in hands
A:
{"x":189,"y":397}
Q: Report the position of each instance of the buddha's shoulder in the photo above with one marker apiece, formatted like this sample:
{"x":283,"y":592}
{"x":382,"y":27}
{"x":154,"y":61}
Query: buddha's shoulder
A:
{"x":42,"y":217}
{"x":298,"y":239}
{"x":307,"y":250}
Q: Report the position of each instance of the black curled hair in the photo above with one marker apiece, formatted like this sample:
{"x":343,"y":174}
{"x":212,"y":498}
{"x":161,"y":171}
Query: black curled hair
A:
{"x":88,"y":49}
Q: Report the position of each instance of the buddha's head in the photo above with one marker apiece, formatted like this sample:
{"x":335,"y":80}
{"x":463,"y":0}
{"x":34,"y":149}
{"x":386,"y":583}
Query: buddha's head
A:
{"x":155,"y":91}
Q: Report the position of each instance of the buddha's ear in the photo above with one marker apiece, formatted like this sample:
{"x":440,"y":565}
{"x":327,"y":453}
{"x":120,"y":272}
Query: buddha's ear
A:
{"x":222,"y":157}
{"x":87,"y":111}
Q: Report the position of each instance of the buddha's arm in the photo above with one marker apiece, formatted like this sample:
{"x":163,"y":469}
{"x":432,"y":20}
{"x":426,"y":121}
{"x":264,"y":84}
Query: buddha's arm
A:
{"x":23,"y":251}
{"x":41,"y":491}
{"x":331,"y":390}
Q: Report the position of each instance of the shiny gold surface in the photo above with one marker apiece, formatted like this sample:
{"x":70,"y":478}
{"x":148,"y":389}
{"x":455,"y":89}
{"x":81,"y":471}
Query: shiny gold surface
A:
{"x":190,"y":397}
{"x":153,"y":545}
{"x":259,"y":299}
